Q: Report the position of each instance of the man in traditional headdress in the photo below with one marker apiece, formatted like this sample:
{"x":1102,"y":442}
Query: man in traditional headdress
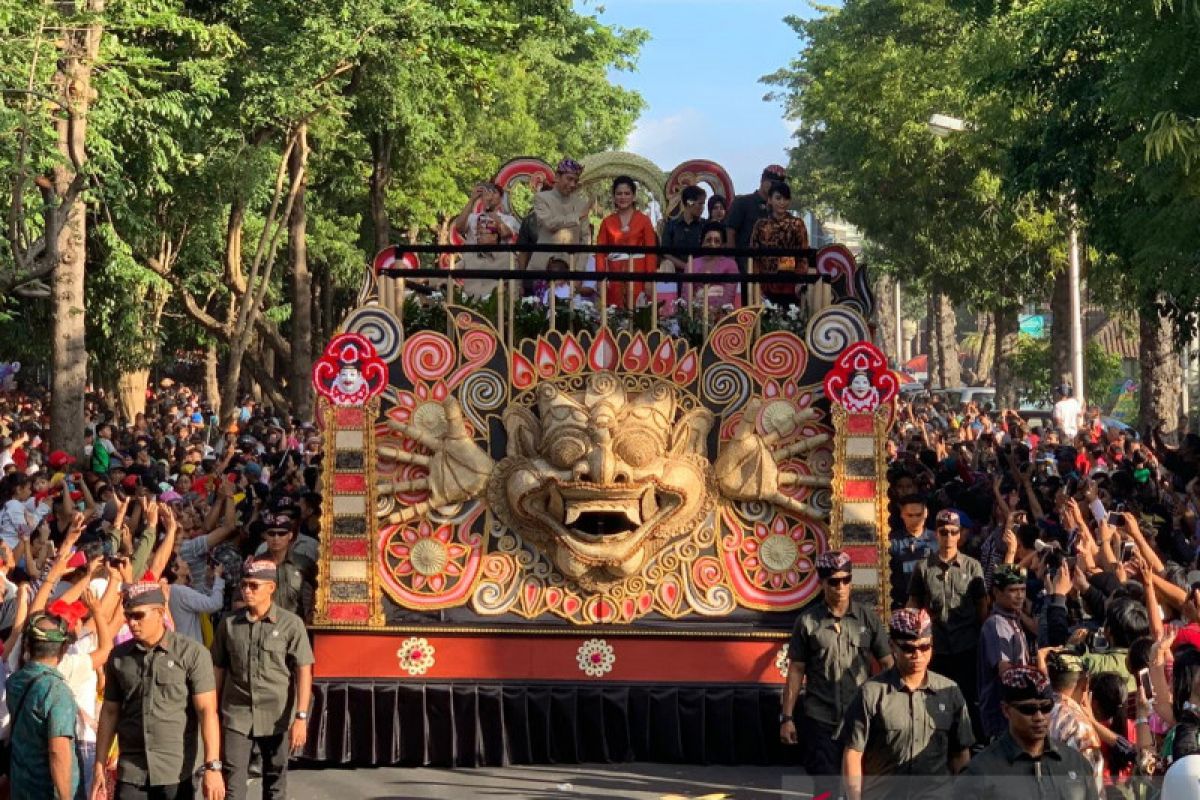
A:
{"x":829,"y":657}
{"x":561,"y":216}
{"x":908,"y":729}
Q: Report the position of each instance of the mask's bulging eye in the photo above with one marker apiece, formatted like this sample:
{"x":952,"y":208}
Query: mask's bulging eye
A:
{"x":565,"y":451}
{"x":638,"y":448}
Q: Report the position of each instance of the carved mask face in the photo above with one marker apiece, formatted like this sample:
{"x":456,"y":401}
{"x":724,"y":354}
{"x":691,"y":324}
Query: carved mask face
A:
{"x":860,"y":384}
{"x":602,"y":479}
{"x":349,"y":379}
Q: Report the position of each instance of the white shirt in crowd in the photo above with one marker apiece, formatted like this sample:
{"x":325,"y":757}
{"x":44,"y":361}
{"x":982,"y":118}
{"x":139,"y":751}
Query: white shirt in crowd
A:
{"x":1066,"y":415}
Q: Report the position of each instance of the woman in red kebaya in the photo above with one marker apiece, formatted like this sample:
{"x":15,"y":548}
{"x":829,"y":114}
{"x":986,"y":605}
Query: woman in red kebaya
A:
{"x":626,"y":226}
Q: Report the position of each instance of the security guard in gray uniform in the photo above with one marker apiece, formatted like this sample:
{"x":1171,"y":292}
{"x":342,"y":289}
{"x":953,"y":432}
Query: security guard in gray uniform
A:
{"x":158,"y":693}
{"x":1024,"y":763}
{"x":908,"y":730}
{"x":263,"y":667}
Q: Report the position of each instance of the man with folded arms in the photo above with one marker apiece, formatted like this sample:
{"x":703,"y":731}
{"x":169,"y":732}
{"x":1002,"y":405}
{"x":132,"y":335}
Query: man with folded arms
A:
{"x":264,"y":679}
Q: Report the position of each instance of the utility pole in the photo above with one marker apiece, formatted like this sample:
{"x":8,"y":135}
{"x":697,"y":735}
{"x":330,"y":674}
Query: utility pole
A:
{"x":1074,"y":270}
{"x":899,"y":327}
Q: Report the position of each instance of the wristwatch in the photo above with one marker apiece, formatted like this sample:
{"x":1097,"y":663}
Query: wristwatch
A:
{"x":785,"y":718}
{"x":301,"y":715}
{"x":211,"y":766}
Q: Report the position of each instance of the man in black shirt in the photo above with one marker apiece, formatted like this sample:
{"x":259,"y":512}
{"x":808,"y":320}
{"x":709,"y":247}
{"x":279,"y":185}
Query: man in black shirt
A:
{"x":748,"y":209}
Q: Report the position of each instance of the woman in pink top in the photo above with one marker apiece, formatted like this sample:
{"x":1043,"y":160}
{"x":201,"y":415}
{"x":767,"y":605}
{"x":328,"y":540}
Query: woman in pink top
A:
{"x":719,"y":294}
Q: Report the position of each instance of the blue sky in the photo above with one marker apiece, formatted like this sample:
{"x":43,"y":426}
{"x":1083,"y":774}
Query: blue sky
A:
{"x":699,"y":75}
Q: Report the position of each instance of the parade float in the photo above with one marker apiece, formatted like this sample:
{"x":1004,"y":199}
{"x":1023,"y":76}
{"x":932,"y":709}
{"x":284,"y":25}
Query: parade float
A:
{"x":588,"y":542}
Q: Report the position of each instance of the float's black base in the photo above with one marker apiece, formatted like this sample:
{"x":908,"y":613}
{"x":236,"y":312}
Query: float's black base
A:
{"x":459,"y":724}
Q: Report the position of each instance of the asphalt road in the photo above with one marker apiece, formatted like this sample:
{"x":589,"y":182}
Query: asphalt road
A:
{"x":582,"y":782}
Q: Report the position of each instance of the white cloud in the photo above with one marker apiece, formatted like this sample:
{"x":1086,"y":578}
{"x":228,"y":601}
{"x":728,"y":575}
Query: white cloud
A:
{"x":661,"y":138}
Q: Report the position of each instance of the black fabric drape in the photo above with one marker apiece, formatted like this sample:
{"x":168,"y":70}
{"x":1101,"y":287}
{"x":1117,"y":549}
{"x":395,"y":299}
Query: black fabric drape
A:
{"x":474,"y":725}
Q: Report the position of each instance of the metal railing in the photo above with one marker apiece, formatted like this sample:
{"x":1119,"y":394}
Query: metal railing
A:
{"x":393,"y":283}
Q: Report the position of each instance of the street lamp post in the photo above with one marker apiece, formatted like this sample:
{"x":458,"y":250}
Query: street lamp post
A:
{"x":942,"y":126}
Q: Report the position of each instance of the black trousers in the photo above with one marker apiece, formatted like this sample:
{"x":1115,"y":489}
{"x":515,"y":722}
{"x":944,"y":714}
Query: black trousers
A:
{"x":962,"y":669}
{"x":176,"y":791}
{"x":238,"y":749}
{"x":821,"y":755}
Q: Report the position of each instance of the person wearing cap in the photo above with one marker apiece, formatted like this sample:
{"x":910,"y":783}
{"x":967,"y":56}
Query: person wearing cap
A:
{"x":830,"y":655}
{"x":907,"y":730}
{"x":1025,"y":762}
{"x":560,"y":214}
{"x":949,"y":585}
{"x":160,"y":697}
{"x":44,"y":716}
{"x":1070,"y":723}
{"x":296,"y":585}
{"x":1002,"y":644}
{"x":264,"y":677}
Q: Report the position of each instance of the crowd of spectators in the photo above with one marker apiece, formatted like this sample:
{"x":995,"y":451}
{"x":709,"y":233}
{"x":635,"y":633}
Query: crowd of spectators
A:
{"x":1045,"y":599}
{"x":155,"y":587}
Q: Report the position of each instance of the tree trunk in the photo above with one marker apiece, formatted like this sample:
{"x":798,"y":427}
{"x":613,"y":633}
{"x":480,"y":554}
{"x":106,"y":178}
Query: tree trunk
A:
{"x":73,"y":83}
{"x":302,"y":301}
{"x":131,"y":393}
{"x":381,"y":177}
{"x":885,"y":317}
{"x":943,"y":351}
{"x":1161,"y":374}
{"x":987,"y":348}
{"x":1007,"y":327}
{"x":1060,"y":331}
{"x":931,"y":342}
{"x":212,"y":388}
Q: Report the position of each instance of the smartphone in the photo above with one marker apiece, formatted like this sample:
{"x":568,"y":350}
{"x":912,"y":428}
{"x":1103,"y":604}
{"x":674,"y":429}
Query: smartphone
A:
{"x":1127,"y":551}
{"x":1143,"y":679}
{"x":1116,"y":518}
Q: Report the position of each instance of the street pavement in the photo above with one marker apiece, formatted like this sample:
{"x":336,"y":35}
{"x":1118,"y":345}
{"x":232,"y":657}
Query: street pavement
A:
{"x":577,"y":782}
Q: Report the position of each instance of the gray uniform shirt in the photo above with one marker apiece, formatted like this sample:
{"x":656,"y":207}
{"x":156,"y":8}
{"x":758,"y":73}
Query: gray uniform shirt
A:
{"x":1004,"y":771}
{"x":836,"y":654}
{"x":906,"y":737}
{"x":951,"y":593}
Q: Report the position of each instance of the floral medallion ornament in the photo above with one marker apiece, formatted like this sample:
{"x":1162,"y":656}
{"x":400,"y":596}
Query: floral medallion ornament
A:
{"x":782,"y":661}
{"x":416,"y":655}
{"x":596,"y":657}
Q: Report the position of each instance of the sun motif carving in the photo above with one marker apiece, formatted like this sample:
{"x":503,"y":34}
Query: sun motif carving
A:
{"x":425,"y":556}
{"x":416,"y":655}
{"x":596,"y":658}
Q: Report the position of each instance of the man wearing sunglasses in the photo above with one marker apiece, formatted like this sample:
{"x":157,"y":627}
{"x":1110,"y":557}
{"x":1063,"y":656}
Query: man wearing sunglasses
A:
{"x":1025,"y":763}
{"x":264,"y":679}
{"x":158,"y":692}
{"x":907,"y":731}
{"x":829,"y":657}
{"x":949,"y":585}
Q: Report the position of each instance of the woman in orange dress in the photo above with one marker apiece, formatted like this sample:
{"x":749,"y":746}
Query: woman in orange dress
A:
{"x":626,"y":226}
